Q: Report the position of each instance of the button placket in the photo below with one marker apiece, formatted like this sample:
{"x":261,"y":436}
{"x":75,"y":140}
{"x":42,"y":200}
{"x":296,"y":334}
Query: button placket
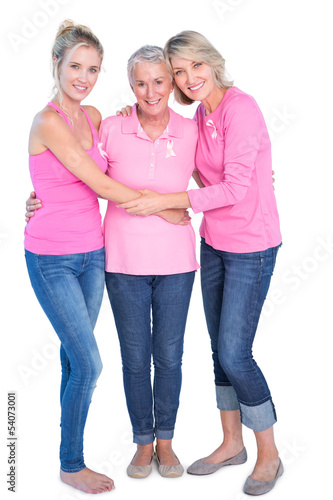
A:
{"x":152,"y":160}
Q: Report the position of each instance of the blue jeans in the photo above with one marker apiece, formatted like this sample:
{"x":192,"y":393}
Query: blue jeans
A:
{"x":70,"y":290}
{"x":234,"y":288}
{"x":135,"y":301}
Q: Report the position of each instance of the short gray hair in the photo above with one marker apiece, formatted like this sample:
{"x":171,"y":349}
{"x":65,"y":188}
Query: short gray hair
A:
{"x":148,"y":53}
{"x":194,"y":46}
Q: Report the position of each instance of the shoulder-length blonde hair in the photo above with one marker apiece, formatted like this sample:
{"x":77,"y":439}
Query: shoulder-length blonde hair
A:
{"x":194,"y":46}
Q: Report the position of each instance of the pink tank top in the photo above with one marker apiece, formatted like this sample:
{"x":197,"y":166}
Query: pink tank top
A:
{"x":69,"y":221}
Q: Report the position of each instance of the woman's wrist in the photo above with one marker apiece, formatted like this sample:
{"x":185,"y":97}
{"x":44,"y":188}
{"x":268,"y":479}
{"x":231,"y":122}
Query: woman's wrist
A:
{"x":151,"y":202}
{"x":176,"y":200}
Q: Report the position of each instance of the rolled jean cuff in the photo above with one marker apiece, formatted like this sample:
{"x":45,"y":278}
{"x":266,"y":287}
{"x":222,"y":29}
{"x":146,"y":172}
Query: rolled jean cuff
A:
{"x":260,"y":417}
{"x":226,"y":398}
{"x":164,"y":434}
{"x":143,"y":438}
{"x":72,"y":471}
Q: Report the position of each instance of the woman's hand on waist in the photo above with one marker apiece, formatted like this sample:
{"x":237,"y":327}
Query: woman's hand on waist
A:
{"x":177,"y":216}
{"x":31,"y":205}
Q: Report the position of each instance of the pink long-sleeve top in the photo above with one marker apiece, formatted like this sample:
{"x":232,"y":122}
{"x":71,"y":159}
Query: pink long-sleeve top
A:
{"x":234,"y":161}
{"x":69,"y":221}
{"x":148,"y":245}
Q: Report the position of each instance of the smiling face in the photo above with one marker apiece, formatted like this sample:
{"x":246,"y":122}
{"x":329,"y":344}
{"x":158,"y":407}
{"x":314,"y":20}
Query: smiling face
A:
{"x":195,"y":79}
{"x":152,"y":86}
{"x":78,"y":73}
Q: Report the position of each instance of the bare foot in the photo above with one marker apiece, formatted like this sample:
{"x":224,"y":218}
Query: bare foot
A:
{"x":165,"y":453}
{"x":224,"y":452}
{"x":143,"y":455}
{"x":266,"y":470}
{"x":88,"y":481}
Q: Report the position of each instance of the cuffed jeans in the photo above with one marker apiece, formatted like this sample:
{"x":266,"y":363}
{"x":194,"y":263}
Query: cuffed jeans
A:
{"x":70,"y":290}
{"x":137,"y":301}
{"x":234,"y":288}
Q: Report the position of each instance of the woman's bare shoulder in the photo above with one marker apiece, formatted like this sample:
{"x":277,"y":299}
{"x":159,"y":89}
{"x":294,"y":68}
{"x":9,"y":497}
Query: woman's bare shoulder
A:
{"x":94,"y":115}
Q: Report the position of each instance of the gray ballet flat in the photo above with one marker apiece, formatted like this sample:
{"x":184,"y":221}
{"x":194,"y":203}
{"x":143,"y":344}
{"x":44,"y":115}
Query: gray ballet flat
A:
{"x":254,"y":487}
{"x":139,"y":471}
{"x":170,"y":470}
{"x":201,"y":468}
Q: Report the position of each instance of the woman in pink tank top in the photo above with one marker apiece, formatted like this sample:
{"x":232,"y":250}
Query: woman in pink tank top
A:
{"x":64,"y":243}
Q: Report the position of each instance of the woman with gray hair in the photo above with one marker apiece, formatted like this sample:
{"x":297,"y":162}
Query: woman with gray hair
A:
{"x":150,"y":264}
{"x":240,"y":240}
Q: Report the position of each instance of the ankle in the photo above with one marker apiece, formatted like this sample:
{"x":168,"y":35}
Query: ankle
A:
{"x":164,"y":444}
{"x":233,"y":441}
{"x":265,"y":455}
{"x":145,"y":448}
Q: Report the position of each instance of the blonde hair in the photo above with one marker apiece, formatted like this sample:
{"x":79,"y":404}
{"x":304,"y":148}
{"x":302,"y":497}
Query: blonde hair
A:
{"x":69,"y":38}
{"x":194,"y":46}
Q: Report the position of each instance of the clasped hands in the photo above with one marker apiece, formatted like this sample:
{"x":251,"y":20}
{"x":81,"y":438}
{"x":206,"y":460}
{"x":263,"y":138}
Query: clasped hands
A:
{"x":150,"y":203}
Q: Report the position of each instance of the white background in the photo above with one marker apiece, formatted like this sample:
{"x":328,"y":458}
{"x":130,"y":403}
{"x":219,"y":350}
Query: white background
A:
{"x":279,"y":52}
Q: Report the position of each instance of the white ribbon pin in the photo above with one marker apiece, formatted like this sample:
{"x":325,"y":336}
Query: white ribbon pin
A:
{"x":170,"y":151}
{"x":103,"y":153}
{"x":210,"y":123}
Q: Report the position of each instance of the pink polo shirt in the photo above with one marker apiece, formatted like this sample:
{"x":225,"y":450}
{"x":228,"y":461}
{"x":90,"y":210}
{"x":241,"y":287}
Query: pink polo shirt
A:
{"x":148,"y":245}
{"x":234,"y":161}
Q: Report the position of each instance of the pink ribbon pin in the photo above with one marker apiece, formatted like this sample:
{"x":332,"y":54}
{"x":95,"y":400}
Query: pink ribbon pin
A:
{"x":170,"y":151}
{"x":210,"y":123}
{"x":103,"y":153}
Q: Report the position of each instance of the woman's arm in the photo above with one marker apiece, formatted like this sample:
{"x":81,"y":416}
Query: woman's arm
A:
{"x":51,"y":131}
{"x":245,"y":127}
{"x":151,"y":202}
{"x":245,"y":137}
{"x":106,"y":187}
{"x":180,"y":217}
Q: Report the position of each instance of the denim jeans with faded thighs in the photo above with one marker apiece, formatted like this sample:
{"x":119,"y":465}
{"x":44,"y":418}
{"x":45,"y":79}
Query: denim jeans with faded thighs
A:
{"x":70,"y":290}
{"x":150,"y":314}
{"x":234,"y":288}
